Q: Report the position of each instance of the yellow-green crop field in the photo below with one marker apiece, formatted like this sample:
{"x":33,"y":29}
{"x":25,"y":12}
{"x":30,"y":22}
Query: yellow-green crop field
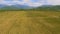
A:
{"x":29,"y":22}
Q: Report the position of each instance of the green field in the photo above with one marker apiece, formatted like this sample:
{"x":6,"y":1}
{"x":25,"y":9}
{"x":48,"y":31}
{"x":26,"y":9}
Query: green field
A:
{"x":30,"y":22}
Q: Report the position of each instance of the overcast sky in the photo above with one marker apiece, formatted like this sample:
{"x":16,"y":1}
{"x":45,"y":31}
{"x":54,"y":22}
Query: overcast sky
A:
{"x":30,"y":2}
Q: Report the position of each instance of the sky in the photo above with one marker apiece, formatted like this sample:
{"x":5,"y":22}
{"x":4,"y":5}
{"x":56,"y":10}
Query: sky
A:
{"x":34,"y":3}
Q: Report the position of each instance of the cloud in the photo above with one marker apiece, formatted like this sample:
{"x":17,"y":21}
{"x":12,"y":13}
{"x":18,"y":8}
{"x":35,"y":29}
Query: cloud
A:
{"x":26,"y":0}
{"x":33,"y":3}
{"x":54,"y":2}
{"x":30,"y":3}
{"x":1,"y":1}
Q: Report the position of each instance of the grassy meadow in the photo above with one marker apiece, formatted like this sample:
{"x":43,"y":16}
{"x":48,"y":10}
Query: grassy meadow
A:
{"x":29,"y":22}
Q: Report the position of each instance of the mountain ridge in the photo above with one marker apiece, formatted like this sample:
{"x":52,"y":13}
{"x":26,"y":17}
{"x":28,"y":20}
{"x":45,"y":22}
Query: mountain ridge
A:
{"x":14,"y":7}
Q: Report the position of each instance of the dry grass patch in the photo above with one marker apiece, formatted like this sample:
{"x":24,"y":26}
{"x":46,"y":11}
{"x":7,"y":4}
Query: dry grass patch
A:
{"x":29,"y":22}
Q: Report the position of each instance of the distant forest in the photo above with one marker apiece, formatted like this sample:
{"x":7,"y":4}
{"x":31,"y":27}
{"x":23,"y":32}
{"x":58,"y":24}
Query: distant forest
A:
{"x":41,"y":8}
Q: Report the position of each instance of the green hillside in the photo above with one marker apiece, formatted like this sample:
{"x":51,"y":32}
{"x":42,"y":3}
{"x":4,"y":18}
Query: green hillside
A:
{"x":48,"y":8}
{"x":41,"y":8}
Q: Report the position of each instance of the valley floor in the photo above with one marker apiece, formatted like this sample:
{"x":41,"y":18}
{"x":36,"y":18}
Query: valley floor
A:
{"x":29,"y":22}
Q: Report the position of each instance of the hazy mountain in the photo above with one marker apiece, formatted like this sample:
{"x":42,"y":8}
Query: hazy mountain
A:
{"x":21,"y":6}
{"x":18,"y":7}
{"x":13,"y":7}
{"x":48,"y":7}
{"x":1,"y":5}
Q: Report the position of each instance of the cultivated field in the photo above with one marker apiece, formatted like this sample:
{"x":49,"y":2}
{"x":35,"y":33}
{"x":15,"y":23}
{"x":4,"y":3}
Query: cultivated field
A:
{"x":29,"y":22}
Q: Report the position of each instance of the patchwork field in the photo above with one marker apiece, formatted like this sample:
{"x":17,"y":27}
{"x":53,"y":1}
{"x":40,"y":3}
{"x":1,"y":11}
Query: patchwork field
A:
{"x":29,"y":22}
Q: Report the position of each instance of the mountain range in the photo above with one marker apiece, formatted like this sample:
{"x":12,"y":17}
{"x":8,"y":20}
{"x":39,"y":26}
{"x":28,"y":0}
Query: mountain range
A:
{"x":14,"y":7}
{"x":19,"y":7}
